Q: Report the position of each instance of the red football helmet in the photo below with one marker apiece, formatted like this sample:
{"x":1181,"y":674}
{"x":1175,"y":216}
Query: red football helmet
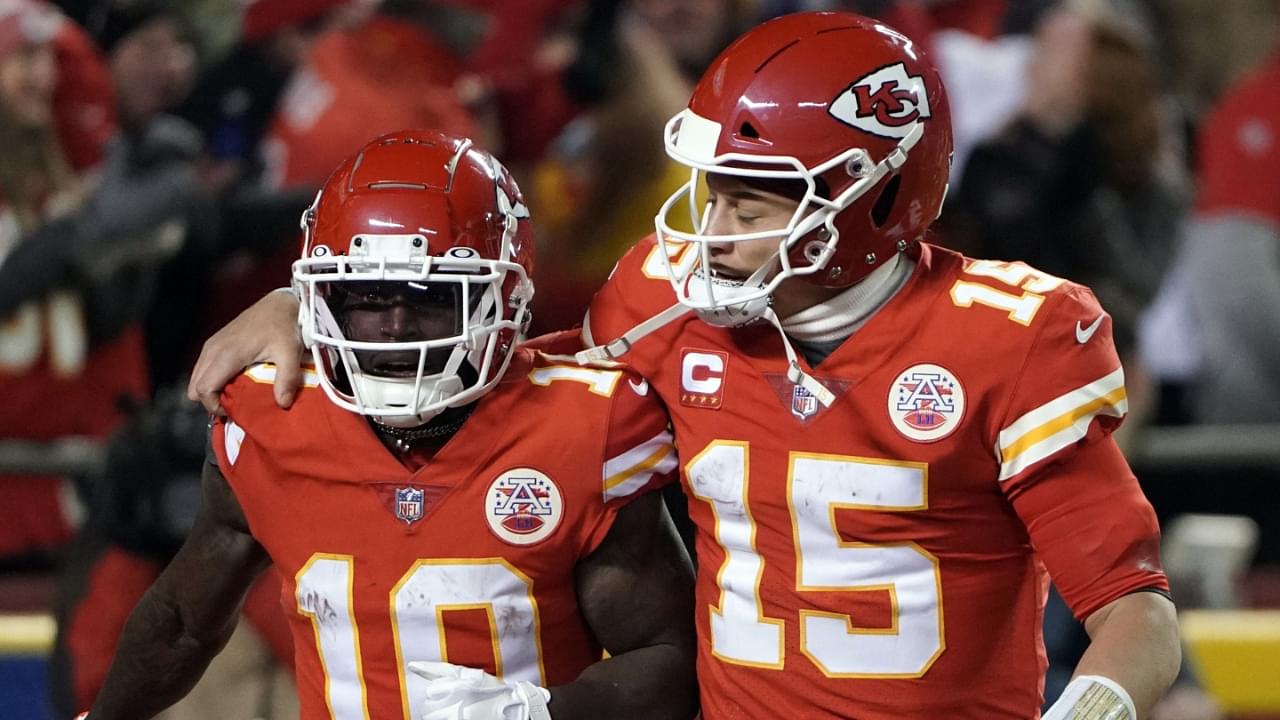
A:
{"x":839,"y":104}
{"x":418,"y":211}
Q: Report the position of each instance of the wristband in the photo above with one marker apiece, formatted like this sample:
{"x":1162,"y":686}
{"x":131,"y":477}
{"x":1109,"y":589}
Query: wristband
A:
{"x":1093,"y":697}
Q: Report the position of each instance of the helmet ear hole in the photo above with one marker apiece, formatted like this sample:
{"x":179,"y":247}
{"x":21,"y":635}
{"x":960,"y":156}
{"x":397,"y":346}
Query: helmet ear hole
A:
{"x":884,"y":204}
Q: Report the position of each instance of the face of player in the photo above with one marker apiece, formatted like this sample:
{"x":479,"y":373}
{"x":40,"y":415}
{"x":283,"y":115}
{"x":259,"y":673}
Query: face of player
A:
{"x":735,"y":207}
{"x":394,"y":312}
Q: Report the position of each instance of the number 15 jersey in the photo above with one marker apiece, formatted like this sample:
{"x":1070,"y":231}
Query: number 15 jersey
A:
{"x":886,"y":557}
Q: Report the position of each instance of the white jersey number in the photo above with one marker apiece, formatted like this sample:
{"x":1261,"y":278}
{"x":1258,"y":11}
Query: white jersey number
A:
{"x":1022,"y":308}
{"x":57,"y":324}
{"x":817,"y":485}
{"x":418,"y":602}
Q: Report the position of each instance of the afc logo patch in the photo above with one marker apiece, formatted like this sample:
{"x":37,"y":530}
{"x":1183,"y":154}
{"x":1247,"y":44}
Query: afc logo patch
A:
{"x":886,"y":102}
{"x":926,"y":402}
{"x":523,"y":506}
{"x":702,"y":374}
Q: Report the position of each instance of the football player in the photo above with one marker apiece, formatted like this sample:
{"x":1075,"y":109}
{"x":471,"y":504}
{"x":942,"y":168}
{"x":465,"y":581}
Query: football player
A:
{"x":889,"y":448}
{"x":436,"y":497}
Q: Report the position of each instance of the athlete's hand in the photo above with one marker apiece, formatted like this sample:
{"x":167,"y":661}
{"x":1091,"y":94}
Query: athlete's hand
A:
{"x":265,"y":332}
{"x":463,"y":693}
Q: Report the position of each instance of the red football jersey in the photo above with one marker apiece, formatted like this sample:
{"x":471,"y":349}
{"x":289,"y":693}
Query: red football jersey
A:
{"x":1240,"y":148}
{"x":53,"y":384}
{"x":355,"y":85}
{"x":469,"y":559}
{"x":874,"y":559}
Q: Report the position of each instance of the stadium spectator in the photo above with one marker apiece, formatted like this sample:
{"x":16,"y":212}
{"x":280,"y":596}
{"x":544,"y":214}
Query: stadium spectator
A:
{"x":599,"y":184}
{"x":1219,"y":313}
{"x":1079,"y":185}
{"x":397,"y":69}
{"x":64,"y":366}
{"x":84,"y":110}
{"x":76,"y":286}
{"x":235,"y":99}
{"x":232,"y":105}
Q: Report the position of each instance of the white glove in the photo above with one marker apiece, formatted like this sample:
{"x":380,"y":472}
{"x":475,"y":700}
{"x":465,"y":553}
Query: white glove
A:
{"x":464,"y":693}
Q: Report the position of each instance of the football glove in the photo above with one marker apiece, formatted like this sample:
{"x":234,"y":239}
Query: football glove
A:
{"x":464,"y":693}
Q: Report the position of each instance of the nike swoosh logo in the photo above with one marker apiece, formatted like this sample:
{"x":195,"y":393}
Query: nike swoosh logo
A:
{"x":641,"y":388}
{"x":1084,"y":333}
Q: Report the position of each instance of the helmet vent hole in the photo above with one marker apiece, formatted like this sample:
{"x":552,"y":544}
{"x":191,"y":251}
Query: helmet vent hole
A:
{"x":884,"y":204}
{"x":387,"y":185}
{"x":749,"y":130}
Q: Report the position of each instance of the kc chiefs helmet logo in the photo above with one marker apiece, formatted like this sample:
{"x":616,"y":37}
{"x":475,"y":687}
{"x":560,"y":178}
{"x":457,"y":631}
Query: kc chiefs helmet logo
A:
{"x":886,"y":102}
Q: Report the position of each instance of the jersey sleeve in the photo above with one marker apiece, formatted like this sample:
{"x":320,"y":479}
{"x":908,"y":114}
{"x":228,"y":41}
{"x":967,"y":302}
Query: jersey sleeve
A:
{"x":250,"y":406}
{"x":639,"y":453}
{"x":1093,"y":528}
{"x":1068,"y":393}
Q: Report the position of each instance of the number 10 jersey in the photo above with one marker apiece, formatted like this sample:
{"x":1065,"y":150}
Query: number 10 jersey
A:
{"x":469,"y":559}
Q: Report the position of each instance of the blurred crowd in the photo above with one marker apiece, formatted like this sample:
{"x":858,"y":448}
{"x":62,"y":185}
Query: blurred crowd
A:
{"x":155,"y":157}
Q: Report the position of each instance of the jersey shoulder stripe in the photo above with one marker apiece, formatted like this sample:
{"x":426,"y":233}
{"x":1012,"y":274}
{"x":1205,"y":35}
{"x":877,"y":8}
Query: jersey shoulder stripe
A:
{"x":1059,"y":423}
{"x":630,"y":471}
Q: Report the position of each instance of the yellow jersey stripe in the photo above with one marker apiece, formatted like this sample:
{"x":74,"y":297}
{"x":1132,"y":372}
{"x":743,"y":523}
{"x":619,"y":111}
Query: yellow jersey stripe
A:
{"x":1061,"y":405}
{"x":646,"y":465}
{"x":1060,"y":433}
{"x":1062,"y":422}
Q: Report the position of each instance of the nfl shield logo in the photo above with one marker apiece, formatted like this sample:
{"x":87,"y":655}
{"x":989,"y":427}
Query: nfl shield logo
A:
{"x":803,"y":403}
{"x":409,"y":504}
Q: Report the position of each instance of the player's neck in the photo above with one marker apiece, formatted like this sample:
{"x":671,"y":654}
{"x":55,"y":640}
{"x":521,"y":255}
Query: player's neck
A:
{"x":425,"y":438}
{"x":840,"y":313}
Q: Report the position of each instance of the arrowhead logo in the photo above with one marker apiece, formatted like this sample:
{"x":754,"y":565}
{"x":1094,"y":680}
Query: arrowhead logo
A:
{"x":887,"y":102}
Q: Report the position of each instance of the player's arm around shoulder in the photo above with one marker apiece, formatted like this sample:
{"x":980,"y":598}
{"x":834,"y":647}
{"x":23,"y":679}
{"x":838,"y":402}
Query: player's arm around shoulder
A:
{"x":187,"y":616}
